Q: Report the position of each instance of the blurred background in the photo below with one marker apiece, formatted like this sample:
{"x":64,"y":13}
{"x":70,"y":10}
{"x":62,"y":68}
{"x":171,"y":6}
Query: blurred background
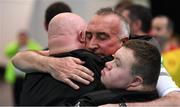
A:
{"x":24,"y":19}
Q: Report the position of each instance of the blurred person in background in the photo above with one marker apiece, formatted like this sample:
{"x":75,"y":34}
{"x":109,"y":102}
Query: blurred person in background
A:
{"x":14,"y":76}
{"x":162,"y":29}
{"x":120,"y":6}
{"x":54,"y":9}
{"x":139,"y":18}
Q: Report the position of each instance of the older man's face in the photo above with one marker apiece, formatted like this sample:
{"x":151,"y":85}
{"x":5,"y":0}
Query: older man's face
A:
{"x":102,"y":35}
{"x":117,"y":73}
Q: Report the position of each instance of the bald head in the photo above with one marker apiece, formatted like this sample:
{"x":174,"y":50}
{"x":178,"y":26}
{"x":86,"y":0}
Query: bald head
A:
{"x":66,"y":32}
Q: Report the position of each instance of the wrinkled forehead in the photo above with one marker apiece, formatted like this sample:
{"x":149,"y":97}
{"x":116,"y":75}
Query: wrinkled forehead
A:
{"x":104,"y":22}
{"x":106,"y":19}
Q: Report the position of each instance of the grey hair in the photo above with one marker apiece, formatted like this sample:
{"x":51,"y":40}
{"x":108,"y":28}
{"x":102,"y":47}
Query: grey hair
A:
{"x":124,"y":25}
{"x":125,"y":28}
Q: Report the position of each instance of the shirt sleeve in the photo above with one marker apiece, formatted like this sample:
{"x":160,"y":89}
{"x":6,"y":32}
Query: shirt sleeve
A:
{"x":165,"y":83}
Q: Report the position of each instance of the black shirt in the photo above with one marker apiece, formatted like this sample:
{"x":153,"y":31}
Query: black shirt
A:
{"x":43,"y":89}
{"x":115,"y":96}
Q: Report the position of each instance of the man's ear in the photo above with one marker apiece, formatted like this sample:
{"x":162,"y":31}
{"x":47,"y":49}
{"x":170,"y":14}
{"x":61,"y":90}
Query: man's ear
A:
{"x":81,"y":37}
{"x":137,"y":81}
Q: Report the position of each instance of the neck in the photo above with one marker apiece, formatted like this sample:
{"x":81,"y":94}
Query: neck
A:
{"x":142,"y":88}
{"x":63,"y":43}
{"x":64,"y":49}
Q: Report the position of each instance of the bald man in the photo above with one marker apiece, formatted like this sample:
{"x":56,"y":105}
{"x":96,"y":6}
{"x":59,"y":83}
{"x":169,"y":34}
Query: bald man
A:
{"x":66,"y":38}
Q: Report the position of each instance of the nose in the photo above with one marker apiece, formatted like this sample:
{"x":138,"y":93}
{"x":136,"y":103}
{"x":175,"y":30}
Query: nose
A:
{"x":92,"y":45}
{"x":108,"y":65}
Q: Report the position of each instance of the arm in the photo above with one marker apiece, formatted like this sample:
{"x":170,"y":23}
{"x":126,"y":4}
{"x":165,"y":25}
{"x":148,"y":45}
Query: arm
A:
{"x":172,"y":99}
{"x":31,"y":61}
{"x":40,"y":88}
{"x":63,"y":69}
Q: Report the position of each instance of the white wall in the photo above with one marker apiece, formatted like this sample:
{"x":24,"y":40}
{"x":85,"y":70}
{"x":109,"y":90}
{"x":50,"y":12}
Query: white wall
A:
{"x":14,"y":15}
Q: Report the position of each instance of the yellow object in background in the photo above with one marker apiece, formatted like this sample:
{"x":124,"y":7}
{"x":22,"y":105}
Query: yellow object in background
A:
{"x":171,"y":61}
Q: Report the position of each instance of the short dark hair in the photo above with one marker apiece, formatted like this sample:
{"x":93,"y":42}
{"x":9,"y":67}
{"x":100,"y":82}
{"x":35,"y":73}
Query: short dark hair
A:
{"x":148,"y":61}
{"x":121,"y":5}
{"x":138,"y":12}
{"x":54,"y":9}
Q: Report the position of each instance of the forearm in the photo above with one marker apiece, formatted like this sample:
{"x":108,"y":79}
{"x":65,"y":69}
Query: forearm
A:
{"x":172,"y":99}
{"x":29,"y":61}
{"x":63,"y":69}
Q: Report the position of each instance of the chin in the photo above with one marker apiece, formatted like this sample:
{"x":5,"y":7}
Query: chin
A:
{"x":104,"y":83}
{"x":102,"y":80}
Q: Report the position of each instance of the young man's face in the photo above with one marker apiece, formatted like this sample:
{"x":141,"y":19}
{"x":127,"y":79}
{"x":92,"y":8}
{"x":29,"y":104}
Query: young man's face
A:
{"x":117,"y":73}
{"x":102,"y":35}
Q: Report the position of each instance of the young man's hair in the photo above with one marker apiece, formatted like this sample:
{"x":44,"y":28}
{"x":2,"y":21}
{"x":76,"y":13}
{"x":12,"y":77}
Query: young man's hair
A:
{"x":125,"y":29}
{"x":54,"y":9}
{"x":148,"y":61}
{"x":138,"y":12}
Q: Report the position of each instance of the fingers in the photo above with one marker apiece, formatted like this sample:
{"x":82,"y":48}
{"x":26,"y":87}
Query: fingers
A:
{"x":79,"y":79}
{"x":76,"y":78}
{"x":71,"y":84}
{"x":82,"y":68}
{"x":85,"y":70}
{"x":84,"y":75}
{"x":77,"y":60}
